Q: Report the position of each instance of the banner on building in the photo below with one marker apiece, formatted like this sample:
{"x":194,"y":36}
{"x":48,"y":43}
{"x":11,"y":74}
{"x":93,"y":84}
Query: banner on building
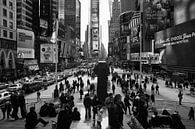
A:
{"x":25,"y":44}
{"x":157,"y":15}
{"x":48,"y":53}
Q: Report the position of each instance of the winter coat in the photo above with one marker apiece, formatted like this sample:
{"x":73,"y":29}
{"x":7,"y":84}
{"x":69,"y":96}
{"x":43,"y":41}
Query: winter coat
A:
{"x":64,"y":119}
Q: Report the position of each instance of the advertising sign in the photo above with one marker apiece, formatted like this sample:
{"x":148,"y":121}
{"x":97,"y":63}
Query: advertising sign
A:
{"x":48,"y":53}
{"x":94,"y":17}
{"x":146,"y":57}
{"x":95,"y":34}
{"x":157,"y":15}
{"x":25,"y":53}
{"x":25,"y":39}
{"x":177,"y":45}
{"x":95,"y":45}
{"x":43,"y":23}
{"x":31,"y":64}
{"x":25,"y":44}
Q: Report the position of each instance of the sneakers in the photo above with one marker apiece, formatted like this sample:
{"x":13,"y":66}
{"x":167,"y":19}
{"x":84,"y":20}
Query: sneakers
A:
{"x":46,"y":123}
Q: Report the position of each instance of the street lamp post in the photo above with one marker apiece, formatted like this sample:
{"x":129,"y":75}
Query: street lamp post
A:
{"x":140,"y":50}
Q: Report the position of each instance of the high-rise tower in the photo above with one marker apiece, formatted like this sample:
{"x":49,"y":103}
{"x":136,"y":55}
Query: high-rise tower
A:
{"x":94,"y":29}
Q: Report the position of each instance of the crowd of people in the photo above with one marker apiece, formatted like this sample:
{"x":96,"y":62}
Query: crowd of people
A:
{"x":136,"y":103}
{"x":11,"y":107}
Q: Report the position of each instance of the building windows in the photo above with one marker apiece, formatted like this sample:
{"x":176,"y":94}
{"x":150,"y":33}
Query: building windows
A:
{"x":11,"y":26}
{"x":4,"y":33}
{"x":4,"y":23}
{"x":5,"y":2}
{"x":4,"y":12}
{"x":11,"y":15}
{"x":11,"y":35}
{"x":11,"y":5}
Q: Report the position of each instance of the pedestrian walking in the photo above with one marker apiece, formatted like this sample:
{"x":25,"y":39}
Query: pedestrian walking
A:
{"x":152,"y":97}
{"x":113,"y":88}
{"x":127,"y":104}
{"x":56,"y":93}
{"x":180,"y":96}
{"x":191,"y":113}
{"x":95,"y":104}
{"x":15,"y":104}
{"x":145,"y":86}
{"x":9,"y":108}
{"x":38,"y":96}
{"x":81,"y":93}
{"x":3,"y":108}
{"x":117,"y":113}
{"x":22,"y":104}
{"x":109,"y":103}
{"x":152,"y":89}
{"x":87,"y":104}
{"x":99,"y":118}
{"x":157,"y":89}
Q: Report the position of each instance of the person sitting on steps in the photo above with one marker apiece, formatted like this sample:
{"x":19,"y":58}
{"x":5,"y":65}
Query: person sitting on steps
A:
{"x":32,"y":120}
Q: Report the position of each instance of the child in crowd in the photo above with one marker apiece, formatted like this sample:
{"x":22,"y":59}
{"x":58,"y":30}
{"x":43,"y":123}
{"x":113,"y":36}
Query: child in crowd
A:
{"x":99,"y":118}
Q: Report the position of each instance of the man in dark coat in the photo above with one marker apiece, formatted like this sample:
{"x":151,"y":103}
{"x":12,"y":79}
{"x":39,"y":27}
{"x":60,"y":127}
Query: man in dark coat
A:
{"x":14,"y":103}
{"x":64,"y":119}
{"x":87,"y":103}
{"x":117,"y":111}
{"x":22,"y":104}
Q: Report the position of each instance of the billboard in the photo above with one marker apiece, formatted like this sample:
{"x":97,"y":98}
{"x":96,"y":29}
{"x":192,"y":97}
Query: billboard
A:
{"x":48,"y":53}
{"x":157,"y":15}
{"x":25,"y":43}
{"x":183,"y":11}
{"x":95,"y":45}
{"x":95,"y":34}
{"x":177,"y":45}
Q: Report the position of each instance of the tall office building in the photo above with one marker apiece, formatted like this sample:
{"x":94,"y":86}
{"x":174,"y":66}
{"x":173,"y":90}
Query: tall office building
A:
{"x":8,"y":44}
{"x":24,"y":14}
{"x":70,"y":13}
{"x":94,"y":29}
{"x":114,"y":27}
{"x":78,"y":19}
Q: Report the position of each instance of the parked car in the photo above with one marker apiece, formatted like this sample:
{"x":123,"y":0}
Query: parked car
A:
{"x":14,"y":87}
{"x":4,"y":95}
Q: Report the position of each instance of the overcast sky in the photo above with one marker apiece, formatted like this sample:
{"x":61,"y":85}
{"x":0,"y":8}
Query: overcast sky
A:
{"x":104,"y":17}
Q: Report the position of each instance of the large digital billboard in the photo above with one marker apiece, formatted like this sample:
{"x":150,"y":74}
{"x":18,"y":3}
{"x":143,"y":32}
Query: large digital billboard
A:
{"x":157,"y":15}
{"x":177,"y":45}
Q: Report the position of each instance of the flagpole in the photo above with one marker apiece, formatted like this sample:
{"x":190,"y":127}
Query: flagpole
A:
{"x":56,"y":63}
{"x":55,"y":41}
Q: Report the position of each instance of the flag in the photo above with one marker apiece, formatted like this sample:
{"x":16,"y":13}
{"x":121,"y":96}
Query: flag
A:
{"x":55,"y":31}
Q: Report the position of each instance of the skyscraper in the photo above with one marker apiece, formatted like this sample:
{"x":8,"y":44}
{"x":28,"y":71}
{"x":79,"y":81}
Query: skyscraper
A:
{"x":94,"y":29}
{"x":24,"y":14}
{"x":114,"y":27}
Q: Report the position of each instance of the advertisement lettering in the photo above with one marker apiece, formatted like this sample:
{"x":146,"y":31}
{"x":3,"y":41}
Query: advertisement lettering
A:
{"x":177,"y":45}
{"x":25,"y":53}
